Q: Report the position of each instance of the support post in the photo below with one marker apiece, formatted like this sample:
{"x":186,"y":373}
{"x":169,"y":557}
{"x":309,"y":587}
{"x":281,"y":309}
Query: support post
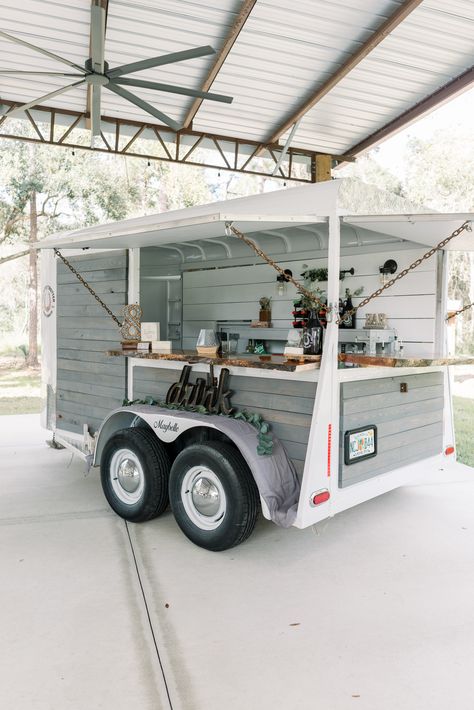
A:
{"x":322,"y":166}
{"x":322,"y":455}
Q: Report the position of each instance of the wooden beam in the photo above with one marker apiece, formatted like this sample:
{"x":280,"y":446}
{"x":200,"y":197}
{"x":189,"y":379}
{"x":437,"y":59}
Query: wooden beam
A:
{"x":435,"y":100}
{"x":322,"y":168}
{"x":374,"y":40}
{"x":240,"y":20}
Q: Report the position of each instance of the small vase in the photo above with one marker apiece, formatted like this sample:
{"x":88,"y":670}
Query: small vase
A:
{"x":265,"y":316}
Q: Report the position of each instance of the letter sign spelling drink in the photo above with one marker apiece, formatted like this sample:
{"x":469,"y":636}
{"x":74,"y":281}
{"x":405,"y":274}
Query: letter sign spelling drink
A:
{"x":209,"y":393}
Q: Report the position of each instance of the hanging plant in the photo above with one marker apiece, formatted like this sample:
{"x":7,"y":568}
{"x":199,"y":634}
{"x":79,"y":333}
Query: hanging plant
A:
{"x":311,"y":275}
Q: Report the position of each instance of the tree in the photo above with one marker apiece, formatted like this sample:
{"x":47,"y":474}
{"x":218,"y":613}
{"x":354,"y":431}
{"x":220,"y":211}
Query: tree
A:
{"x":45,"y":189}
{"x":440,"y":176}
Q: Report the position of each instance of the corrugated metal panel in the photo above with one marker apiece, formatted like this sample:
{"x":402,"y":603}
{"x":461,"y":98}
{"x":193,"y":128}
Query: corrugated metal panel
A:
{"x":59,"y":27}
{"x":431,"y":47}
{"x":279,"y":59}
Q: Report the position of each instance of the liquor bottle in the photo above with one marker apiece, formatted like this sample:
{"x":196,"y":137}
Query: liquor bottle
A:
{"x":341,"y":313}
{"x":313,"y":335}
{"x":348,"y":321}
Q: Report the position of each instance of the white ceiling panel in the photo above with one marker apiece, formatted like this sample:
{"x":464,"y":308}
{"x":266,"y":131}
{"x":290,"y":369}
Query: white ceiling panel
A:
{"x":282,"y":55}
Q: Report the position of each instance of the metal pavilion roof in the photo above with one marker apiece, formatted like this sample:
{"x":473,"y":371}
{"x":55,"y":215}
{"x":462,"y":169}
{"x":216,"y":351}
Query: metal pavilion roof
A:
{"x":346,"y":72}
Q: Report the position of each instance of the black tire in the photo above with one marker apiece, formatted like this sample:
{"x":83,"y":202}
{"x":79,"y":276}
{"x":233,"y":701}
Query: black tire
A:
{"x":148,"y":463}
{"x":234,"y":507}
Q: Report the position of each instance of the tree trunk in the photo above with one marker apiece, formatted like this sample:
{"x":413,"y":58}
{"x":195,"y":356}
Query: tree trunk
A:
{"x":32,"y":359}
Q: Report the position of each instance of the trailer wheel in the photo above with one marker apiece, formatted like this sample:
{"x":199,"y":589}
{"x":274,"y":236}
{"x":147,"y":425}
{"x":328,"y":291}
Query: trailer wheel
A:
{"x":134,"y":471}
{"x":213,"y":495}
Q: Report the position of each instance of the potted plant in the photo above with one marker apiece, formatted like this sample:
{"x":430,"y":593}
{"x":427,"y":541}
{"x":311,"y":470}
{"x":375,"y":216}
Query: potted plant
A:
{"x":265,"y":314}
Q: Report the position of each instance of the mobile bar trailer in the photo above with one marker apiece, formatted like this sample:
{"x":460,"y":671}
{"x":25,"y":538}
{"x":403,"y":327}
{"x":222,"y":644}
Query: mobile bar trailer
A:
{"x":221,"y":437}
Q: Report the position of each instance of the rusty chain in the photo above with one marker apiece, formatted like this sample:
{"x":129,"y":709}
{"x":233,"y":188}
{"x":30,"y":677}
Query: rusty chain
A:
{"x":300,"y":288}
{"x":86,"y":285}
{"x":312,"y":297}
{"x":464,"y":226}
{"x":458,"y":313}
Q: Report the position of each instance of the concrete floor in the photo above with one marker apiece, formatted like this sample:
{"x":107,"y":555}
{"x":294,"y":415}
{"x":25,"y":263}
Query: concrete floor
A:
{"x":372,"y":610}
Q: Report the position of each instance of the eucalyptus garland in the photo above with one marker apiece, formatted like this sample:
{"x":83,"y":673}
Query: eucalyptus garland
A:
{"x":264,"y":437}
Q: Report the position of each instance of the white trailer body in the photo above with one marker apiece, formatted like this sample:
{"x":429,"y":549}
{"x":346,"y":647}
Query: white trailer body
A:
{"x":216,"y":279}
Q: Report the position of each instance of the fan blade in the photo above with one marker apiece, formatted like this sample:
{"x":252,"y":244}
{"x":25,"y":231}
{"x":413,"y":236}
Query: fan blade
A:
{"x":175,"y":89}
{"x":95,"y":111}
{"x":15,"y":72}
{"x":42,"y":99}
{"x":159,"y":61}
{"x":41,"y":51}
{"x":97,"y":36}
{"x":143,"y":105}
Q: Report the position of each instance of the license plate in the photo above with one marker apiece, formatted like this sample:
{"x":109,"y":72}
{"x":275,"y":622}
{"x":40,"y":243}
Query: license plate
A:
{"x":360,"y":444}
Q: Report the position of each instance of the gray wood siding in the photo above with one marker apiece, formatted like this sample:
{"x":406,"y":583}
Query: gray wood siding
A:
{"x":286,"y":405}
{"x":89,"y":383}
{"x":409,"y":425}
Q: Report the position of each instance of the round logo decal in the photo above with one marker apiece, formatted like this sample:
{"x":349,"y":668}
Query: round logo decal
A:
{"x":48,"y":300}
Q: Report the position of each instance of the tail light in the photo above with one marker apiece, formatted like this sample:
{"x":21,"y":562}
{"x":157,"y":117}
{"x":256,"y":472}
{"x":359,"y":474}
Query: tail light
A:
{"x":449,"y":450}
{"x":320,"y":497}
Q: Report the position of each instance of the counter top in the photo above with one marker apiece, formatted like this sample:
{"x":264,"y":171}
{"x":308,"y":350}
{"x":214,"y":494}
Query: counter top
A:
{"x":403,"y":360}
{"x":262,"y":362}
{"x":283,"y":364}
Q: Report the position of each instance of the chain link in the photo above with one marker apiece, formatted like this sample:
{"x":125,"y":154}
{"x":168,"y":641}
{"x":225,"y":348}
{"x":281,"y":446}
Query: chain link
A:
{"x":465,"y":226}
{"x":311,"y":296}
{"x":461,"y":310}
{"x":86,"y":285}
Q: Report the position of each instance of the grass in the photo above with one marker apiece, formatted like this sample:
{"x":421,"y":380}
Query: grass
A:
{"x":19,"y":389}
{"x":20,"y":405}
{"x":464,"y":427}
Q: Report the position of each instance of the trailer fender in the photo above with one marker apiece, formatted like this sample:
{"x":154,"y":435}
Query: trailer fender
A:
{"x":274,"y":474}
{"x":166,"y":427}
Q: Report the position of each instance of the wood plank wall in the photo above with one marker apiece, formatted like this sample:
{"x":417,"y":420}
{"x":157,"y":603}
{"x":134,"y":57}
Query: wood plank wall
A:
{"x":286,"y":404}
{"x":89,"y":383}
{"x":409,"y":425}
{"x":233,"y":293}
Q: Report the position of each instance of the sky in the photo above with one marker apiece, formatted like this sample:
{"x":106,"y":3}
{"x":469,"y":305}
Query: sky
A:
{"x":458,"y":111}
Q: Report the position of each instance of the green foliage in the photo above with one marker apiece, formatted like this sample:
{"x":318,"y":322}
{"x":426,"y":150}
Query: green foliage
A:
{"x":265,"y":440}
{"x":265,"y":303}
{"x":76,"y":189}
{"x":463,"y":418}
{"x":24,"y":349}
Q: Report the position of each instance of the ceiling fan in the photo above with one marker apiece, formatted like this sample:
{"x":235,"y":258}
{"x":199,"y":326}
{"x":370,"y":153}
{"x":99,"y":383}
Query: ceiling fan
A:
{"x":97,"y":75}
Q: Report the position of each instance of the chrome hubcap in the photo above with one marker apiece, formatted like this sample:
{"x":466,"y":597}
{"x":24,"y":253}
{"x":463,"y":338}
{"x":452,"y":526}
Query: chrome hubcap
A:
{"x":126,"y":476}
{"x":129,"y":475}
{"x":203,"y":497}
{"x":206,"y":496}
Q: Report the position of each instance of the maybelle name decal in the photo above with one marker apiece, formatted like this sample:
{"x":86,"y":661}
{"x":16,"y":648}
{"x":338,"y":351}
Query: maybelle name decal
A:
{"x":166,"y":426}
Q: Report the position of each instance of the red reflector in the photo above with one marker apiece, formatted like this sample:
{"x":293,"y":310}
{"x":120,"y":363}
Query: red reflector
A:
{"x":449,"y":450}
{"x":320,"y":497}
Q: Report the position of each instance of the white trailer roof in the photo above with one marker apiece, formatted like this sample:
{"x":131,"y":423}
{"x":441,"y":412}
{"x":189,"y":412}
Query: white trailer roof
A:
{"x":429,"y":229}
{"x":158,"y":232}
{"x":310,"y":204}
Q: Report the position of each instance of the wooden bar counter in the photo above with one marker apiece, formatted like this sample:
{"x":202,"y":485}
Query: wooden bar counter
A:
{"x":261,"y":362}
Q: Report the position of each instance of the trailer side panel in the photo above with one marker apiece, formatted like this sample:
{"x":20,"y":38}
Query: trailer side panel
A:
{"x":89,"y":383}
{"x":409,"y":423}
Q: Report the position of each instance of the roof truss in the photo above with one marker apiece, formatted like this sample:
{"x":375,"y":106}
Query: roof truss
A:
{"x":52,"y":126}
